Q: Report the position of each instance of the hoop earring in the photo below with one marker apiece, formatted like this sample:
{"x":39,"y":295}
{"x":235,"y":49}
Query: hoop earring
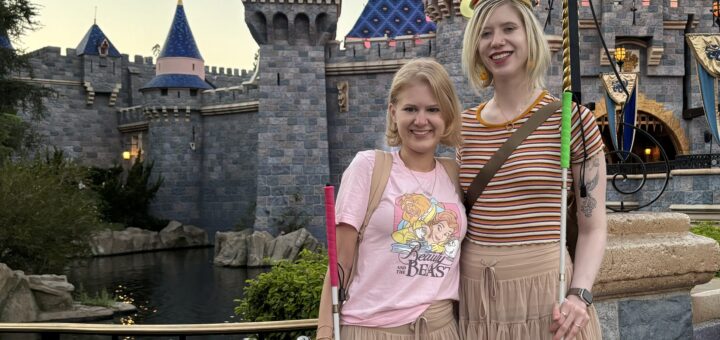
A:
{"x":530,"y":64}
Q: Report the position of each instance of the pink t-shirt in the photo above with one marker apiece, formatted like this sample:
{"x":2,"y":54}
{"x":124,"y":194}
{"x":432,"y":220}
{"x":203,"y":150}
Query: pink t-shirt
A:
{"x":408,"y":258}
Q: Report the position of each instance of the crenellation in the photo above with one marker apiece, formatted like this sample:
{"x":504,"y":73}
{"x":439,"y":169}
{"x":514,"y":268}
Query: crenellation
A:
{"x":401,"y":47}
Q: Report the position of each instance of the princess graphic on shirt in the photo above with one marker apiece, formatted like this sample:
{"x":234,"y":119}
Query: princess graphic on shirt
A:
{"x":425,"y":224}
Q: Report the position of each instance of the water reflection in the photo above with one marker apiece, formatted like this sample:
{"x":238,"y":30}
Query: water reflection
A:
{"x":167,"y":287}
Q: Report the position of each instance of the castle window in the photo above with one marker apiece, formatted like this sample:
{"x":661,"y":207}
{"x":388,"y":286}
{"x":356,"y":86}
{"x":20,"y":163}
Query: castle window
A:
{"x":178,"y":94}
{"x":674,"y":3}
{"x":163,"y":92}
{"x":104,"y":48}
{"x":193,"y":66}
{"x":193,"y":92}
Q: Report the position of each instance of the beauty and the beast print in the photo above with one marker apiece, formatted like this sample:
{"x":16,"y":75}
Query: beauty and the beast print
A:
{"x":426,"y":235}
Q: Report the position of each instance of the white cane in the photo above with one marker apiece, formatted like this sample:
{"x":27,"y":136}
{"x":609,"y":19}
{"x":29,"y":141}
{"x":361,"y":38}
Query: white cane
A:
{"x":564,"y":165}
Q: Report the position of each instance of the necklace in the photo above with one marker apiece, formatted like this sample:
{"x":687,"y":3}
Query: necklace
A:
{"x":432,"y":190}
{"x":510,"y":123}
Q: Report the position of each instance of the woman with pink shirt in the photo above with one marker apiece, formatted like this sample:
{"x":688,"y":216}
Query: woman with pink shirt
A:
{"x":407,"y":273}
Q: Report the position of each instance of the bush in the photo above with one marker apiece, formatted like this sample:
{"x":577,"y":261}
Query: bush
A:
{"x":126,"y":199}
{"x":710,"y":230}
{"x":46,"y":218}
{"x":290,"y":291}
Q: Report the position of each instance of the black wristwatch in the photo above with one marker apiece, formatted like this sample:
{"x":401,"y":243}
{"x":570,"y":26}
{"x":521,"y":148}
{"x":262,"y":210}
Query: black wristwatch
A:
{"x":584,"y":295}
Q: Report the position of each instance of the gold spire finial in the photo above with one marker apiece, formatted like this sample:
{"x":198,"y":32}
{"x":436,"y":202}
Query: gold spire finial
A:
{"x":180,"y":3}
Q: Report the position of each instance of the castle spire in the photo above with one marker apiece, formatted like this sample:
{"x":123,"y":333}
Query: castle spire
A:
{"x":95,"y":42}
{"x":5,"y":41}
{"x":180,"y":64}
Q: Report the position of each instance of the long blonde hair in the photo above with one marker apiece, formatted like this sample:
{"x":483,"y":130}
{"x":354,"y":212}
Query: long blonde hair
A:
{"x":434,"y":75}
{"x":538,"y":50}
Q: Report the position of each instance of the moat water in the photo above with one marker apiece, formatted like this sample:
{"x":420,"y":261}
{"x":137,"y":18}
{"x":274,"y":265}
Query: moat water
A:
{"x":167,"y":287}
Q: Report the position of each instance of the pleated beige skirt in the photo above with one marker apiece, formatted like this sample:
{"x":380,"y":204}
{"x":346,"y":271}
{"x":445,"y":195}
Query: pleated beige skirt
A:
{"x":507,"y":293}
{"x":436,"y":323}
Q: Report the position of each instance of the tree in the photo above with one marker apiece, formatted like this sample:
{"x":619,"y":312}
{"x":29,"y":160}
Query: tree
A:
{"x":17,"y":95}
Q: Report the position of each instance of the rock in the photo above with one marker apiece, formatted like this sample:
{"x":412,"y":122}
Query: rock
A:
{"x":101,"y":243}
{"x":17,"y":303}
{"x":230,"y":248}
{"x":288,"y":246}
{"x":257,"y":248}
{"x":177,"y":235}
{"x":130,"y":240}
{"x":52,"y":292}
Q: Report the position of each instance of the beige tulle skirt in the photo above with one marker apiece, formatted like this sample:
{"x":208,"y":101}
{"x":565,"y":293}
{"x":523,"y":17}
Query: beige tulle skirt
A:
{"x":436,"y":323}
{"x":507,"y":293}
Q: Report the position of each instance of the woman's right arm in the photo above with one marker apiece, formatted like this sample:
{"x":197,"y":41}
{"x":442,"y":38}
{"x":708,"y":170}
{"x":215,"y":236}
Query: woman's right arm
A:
{"x":347,"y":237}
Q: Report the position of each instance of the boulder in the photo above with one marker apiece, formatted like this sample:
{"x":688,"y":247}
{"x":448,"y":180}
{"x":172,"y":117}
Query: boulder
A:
{"x":288,"y":246}
{"x":130,"y":240}
{"x":52,"y":292}
{"x":17,"y":303}
{"x":258,"y":247}
{"x":230,"y":248}
{"x":177,"y":235}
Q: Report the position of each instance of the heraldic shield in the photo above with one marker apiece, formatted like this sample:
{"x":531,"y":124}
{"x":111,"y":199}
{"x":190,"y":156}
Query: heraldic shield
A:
{"x":706,"y":48}
{"x":614,"y":96}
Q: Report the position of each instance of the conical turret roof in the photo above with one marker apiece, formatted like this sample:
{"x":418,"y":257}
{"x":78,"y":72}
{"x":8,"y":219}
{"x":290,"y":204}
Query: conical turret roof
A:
{"x":93,"y":41}
{"x":5,"y":41}
{"x":180,"y":41}
{"x":392,"y":18}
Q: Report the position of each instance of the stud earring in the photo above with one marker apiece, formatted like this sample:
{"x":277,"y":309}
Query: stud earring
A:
{"x":484,"y":76}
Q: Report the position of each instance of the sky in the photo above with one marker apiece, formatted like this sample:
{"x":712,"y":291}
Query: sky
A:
{"x":135,"y":26}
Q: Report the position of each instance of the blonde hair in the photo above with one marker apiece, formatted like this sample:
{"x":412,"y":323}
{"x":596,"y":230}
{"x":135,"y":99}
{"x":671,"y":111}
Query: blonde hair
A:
{"x":538,"y":50}
{"x":434,"y":75}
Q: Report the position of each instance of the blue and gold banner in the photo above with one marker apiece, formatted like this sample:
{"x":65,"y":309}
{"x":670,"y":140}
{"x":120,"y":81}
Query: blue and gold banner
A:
{"x":706,"y":48}
{"x":614,"y":96}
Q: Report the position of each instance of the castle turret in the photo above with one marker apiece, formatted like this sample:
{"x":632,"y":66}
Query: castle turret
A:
{"x":292,"y":149}
{"x":172,"y":107}
{"x":449,"y":41}
{"x":5,"y":41}
{"x":102,"y":65}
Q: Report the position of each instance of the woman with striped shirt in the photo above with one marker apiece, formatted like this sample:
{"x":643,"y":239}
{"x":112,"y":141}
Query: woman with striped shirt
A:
{"x":509,"y":263}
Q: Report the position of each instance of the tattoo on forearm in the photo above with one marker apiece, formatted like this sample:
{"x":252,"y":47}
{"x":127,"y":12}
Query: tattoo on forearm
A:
{"x":588,"y":203}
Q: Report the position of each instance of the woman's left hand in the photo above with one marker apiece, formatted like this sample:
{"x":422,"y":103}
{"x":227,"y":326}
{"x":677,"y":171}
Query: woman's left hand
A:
{"x":569,"y":318}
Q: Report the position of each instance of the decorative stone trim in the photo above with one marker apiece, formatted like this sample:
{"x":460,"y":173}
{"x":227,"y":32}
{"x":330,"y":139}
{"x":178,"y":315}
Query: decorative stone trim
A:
{"x":134,"y":127}
{"x":655,"y":53}
{"x":698,"y":212}
{"x":223,"y":109}
{"x":90,"y":93}
{"x":694,"y":172}
{"x":648,"y":176}
{"x":50,"y":81}
{"x":587,"y":24}
{"x":604,"y":61}
{"x":554,"y":42}
{"x":364,"y":67}
{"x":437,"y":10}
{"x":343,"y":99}
{"x":114,"y":94}
{"x":678,"y":24}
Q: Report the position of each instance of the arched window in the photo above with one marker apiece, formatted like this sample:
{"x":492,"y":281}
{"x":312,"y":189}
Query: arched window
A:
{"x":258,"y":27}
{"x":301,"y":28}
{"x":104,"y":48}
{"x":280,"y":27}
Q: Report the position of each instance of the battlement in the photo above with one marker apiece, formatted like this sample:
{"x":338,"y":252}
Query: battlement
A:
{"x":401,"y":47}
{"x":227,"y":71}
{"x":230,"y":95}
{"x":131,"y":115}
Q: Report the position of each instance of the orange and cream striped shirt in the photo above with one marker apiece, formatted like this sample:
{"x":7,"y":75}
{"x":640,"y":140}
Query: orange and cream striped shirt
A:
{"x":521,"y":204}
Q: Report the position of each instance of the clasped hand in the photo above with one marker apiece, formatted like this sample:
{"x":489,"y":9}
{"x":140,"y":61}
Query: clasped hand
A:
{"x":569,"y":318}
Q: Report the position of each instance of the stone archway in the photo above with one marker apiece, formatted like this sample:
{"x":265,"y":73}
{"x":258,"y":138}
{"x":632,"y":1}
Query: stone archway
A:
{"x":659,"y":111}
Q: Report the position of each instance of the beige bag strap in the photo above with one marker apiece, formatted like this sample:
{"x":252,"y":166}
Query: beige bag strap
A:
{"x":380,"y":176}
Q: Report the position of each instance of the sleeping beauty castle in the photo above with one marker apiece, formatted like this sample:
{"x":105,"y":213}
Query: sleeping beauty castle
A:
{"x":251,"y":146}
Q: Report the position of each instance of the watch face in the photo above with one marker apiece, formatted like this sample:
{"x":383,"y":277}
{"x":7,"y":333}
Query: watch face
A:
{"x":586,"y":295}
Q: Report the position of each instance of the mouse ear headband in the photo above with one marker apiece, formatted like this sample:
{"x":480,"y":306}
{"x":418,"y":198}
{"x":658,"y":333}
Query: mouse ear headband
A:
{"x":467,"y":7}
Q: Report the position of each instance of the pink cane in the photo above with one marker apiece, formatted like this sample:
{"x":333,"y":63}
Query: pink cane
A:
{"x":332,"y":255}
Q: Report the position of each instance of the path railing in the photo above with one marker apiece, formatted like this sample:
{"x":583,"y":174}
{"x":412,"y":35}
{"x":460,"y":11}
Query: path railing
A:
{"x":52,"y":331}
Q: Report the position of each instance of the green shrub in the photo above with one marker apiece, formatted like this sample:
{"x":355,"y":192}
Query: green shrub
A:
{"x":708,"y":229}
{"x":290,"y":291}
{"x":102,"y":299}
{"x":126,"y":198}
{"x":45,"y":217}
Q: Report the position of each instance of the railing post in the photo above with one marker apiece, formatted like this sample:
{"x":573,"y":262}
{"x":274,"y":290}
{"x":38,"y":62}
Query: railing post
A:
{"x":50,"y":336}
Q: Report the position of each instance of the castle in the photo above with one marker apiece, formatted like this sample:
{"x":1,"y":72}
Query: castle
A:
{"x":253,"y":146}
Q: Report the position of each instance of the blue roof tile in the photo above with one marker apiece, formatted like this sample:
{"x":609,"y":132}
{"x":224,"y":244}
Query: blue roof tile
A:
{"x":181,"y":81}
{"x":5,"y":42}
{"x":392,"y":18}
{"x":180,"y":41}
{"x":90,"y":44}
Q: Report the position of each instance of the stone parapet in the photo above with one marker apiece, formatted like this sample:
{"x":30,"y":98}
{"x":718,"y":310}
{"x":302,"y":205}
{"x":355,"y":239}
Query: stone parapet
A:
{"x":654,"y":252}
{"x":651,"y":263}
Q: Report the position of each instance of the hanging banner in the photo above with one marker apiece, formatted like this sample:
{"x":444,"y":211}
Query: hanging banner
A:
{"x":614,"y":96}
{"x":706,"y":48}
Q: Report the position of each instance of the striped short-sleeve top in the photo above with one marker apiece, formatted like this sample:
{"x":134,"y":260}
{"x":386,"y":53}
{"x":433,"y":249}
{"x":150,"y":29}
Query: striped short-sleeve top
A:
{"x":521,"y":204}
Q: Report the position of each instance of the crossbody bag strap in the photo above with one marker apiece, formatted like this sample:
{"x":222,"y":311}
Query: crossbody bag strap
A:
{"x":378,"y":182}
{"x":498,"y":159}
{"x":453,"y":171}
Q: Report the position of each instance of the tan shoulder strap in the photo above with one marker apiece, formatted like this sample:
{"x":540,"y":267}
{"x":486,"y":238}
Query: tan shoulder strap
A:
{"x":453,"y":171}
{"x":378,"y":182}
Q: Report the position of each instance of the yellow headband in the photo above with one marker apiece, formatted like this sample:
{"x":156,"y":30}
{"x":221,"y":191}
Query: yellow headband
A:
{"x":468,"y":6}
